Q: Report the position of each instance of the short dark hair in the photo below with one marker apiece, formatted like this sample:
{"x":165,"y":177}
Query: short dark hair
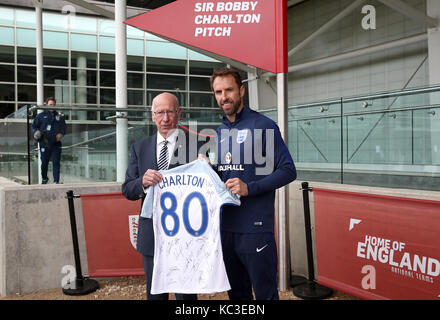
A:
{"x":222,"y":72}
{"x":50,"y":98}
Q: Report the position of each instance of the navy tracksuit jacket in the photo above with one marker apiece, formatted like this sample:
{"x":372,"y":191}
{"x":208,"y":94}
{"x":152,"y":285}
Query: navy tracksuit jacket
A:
{"x":241,"y":146}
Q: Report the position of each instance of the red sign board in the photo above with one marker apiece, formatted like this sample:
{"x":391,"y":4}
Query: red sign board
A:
{"x":252,"y":32}
{"x":378,"y":247}
{"x":110,"y":228}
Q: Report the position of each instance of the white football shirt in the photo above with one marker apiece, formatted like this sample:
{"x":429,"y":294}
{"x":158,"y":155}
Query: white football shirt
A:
{"x":186,"y":208}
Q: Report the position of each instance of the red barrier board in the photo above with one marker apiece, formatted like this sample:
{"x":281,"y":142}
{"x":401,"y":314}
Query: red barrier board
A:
{"x":110,"y":228}
{"x":378,"y":247}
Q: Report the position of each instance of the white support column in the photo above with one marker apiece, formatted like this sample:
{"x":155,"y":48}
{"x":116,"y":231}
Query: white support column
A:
{"x":433,"y":10}
{"x":253,"y":90}
{"x":283,"y":193}
{"x":262,"y":90}
{"x":39,"y":56}
{"x":81,"y":96}
{"x":39,"y":50}
{"x":121,"y":89}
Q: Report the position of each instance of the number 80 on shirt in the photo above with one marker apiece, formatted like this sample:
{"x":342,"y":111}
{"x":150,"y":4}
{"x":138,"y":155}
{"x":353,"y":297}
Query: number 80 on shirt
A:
{"x":171,"y":212}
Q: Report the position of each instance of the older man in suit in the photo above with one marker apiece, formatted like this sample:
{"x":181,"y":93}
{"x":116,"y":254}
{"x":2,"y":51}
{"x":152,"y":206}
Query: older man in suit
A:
{"x":148,"y":156}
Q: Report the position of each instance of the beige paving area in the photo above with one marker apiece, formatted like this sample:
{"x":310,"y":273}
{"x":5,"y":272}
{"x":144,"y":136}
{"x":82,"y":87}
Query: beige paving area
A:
{"x":133,"y":288}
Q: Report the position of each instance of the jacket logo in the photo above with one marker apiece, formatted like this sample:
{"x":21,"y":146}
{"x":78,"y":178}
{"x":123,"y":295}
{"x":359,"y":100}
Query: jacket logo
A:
{"x":133,"y":225}
{"x":228,"y":158}
{"x":242,"y":135}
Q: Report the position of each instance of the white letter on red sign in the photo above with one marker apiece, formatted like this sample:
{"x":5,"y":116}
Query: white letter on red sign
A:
{"x":433,"y":267}
{"x":220,"y":6}
{"x":198,"y":31}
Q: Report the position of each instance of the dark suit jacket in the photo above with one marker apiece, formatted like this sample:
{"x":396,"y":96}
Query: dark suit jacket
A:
{"x":143,"y":157}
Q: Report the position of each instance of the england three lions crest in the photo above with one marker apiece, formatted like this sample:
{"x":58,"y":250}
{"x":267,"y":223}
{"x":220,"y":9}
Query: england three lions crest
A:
{"x":241,"y":136}
{"x":133,"y":225}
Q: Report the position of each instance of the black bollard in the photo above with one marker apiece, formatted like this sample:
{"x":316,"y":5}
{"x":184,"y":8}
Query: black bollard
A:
{"x":81,"y":285}
{"x":296,"y":280}
{"x":310,"y":290}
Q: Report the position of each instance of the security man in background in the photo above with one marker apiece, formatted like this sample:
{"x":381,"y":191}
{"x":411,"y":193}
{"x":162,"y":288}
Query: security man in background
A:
{"x":48,"y":128}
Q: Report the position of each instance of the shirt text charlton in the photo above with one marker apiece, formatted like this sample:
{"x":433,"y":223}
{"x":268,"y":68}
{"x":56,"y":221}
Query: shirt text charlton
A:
{"x":181,"y":180}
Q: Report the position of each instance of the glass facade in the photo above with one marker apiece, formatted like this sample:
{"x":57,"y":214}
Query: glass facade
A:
{"x":79,"y":64}
{"x":387,"y":139}
{"x":79,"y":71}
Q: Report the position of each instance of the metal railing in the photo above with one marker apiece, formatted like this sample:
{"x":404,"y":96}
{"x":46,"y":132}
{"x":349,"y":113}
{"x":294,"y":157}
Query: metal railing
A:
{"x":387,"y":139}
{"x":89,"y":147}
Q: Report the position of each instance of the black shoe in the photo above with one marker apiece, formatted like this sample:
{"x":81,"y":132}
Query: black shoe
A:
{"x":44,"y":181}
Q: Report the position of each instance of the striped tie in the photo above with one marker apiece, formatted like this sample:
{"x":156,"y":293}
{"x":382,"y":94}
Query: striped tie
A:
{"x":162,"y":164}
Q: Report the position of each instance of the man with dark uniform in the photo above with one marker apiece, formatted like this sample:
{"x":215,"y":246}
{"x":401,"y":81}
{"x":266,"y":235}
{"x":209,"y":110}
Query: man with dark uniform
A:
{"x":48,"y":128}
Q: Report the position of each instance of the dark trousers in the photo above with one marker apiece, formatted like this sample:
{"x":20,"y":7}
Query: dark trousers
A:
{"x":148,"y":262}
{"x":50,"y":153}
{"x":251,"y":263}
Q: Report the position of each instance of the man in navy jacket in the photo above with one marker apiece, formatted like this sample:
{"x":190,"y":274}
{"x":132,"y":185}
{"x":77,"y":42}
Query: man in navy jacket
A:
{"x":142,"y":172}
{"x":253,"y":161}
{"x":48,"y":128}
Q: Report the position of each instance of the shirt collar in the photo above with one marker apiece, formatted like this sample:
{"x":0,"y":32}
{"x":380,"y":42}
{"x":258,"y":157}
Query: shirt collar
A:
{"x":171,"y":138}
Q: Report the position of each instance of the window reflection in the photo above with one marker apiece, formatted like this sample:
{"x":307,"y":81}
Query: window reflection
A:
{"x":156,"y":81}
{"x":166,"y":65}
{"x":83,"y":76}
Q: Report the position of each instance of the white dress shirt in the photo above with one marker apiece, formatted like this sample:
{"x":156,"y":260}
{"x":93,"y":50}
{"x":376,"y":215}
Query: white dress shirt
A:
{"x":172,"y":138}
{"x":171,"y":144}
